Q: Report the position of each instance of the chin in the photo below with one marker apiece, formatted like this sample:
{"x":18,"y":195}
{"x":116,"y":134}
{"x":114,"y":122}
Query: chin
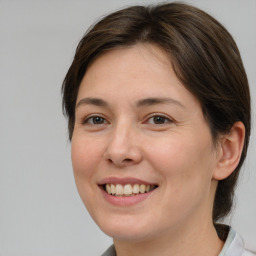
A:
{"x":128,"y":235}
{"x":125,"y":230}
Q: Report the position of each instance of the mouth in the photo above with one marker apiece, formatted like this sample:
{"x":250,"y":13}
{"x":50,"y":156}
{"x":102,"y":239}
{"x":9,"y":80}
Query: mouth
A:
{"x":127,"y":190}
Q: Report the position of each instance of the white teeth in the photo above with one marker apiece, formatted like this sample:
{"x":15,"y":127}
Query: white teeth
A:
{"x":119,"y":190}
{"x":142,"y":188}
{"x":128,"y":189}
{"x":108,"y":188}
{"x":136,"y":189}
{"x":113,"y":189}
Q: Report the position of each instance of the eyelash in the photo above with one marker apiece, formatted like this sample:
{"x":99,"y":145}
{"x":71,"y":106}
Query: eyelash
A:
{"x":162,"y":117}
{"x":92,"y":120}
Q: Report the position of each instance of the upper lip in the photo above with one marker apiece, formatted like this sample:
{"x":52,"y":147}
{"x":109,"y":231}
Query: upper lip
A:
{"x":123,"y":181}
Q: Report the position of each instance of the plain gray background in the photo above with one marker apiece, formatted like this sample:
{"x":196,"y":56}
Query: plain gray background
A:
{"x":40,"y":210}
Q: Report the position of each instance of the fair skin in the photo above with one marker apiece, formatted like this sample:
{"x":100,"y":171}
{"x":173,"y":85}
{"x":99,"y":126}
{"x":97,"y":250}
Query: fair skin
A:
{"x":136,"y":123}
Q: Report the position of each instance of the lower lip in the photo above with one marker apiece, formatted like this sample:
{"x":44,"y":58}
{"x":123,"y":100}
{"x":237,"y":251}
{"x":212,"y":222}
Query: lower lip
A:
{"x":125,"y":200}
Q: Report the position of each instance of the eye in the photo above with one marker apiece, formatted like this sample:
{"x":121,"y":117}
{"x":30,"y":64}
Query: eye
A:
{"x":158,"y":119}
{"x":95,"y":120}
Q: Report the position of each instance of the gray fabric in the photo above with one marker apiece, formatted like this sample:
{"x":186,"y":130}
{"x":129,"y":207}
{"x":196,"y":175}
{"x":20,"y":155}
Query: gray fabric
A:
{"x":110,"y":251}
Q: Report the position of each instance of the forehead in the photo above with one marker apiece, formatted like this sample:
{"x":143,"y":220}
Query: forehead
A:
{"x":133,"y":64}
{"x":136,"y":72}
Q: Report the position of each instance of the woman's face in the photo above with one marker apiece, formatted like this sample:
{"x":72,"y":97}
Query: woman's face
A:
{"x":137,"y":125}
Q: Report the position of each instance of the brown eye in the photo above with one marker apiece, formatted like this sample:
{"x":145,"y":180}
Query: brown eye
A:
{"x":95,"y":120}
{"x":159,"y":120}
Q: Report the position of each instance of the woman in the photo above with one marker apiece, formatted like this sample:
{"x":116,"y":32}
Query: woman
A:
{"x":158,"y":107}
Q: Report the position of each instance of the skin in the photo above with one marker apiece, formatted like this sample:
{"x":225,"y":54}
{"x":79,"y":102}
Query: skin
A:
{"x":176,"y":153}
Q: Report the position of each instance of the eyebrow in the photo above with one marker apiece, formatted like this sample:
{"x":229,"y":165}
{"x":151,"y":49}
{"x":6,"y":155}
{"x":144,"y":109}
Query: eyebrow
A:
{"x":155,"y":101}
{"x":141,"y":103}
{"x":92,"y":101}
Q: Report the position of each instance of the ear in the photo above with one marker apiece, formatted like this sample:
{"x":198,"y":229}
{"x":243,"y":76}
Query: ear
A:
{"x":231,"y":147}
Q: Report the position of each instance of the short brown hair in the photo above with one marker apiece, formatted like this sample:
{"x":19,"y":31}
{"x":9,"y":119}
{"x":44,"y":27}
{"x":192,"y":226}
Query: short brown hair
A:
{"x":204,"y":57}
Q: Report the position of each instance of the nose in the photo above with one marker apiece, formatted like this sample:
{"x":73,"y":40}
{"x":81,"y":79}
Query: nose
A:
{"x":123,"y":148}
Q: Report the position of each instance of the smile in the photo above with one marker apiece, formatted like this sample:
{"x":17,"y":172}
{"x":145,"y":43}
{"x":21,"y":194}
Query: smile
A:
{"x":128,"y":189}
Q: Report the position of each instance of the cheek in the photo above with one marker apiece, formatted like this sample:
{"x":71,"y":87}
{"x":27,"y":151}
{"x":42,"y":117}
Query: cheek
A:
{"x":85,"y":154}
{"x":186,"y":168}
{"x":185,"y":162}
{"x":85,"y":157}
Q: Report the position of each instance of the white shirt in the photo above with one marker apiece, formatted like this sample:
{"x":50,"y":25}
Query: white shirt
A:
{"x":234,"y":246}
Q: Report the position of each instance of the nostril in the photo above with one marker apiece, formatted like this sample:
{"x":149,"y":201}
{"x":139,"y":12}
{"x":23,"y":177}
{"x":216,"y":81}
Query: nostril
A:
{"x":121,"y":162}
{"x":121,"y":155}
{"x":127,"y":160}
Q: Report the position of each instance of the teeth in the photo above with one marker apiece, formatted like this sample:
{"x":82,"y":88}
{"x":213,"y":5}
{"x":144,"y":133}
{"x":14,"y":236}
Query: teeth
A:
{"x":113,"y":189}
{"x":108,"y":188}
{"x":128,"y":189}
{"x":142,"y":188}
{"x":119,"y":190}
{"x":136,"y":189}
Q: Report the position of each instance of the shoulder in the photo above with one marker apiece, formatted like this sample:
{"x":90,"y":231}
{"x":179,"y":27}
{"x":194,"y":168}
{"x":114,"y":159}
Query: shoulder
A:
{"x":234,"y":245}
{"x":110,"y":251}
{"x":248,"y":253}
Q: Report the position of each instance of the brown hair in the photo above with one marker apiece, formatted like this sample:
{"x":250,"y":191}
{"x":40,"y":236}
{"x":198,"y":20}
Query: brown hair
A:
{"x":204,"y":57}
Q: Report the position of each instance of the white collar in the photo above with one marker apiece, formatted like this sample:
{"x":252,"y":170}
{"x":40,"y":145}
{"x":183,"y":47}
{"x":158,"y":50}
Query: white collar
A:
{"x":234,"y":245}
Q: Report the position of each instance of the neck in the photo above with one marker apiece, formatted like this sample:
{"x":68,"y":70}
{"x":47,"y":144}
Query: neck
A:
{"x":199,"y":240}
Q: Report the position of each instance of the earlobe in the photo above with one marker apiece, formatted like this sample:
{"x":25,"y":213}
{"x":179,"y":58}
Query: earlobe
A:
{"x":230,"y":152}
